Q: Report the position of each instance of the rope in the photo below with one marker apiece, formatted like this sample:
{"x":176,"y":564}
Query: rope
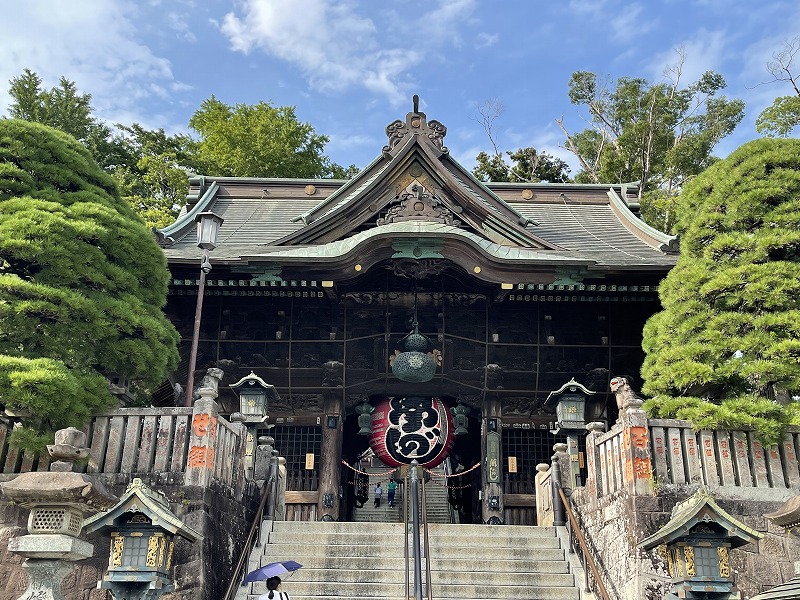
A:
{"x":349,"y":466}
{"x":459,"y":474}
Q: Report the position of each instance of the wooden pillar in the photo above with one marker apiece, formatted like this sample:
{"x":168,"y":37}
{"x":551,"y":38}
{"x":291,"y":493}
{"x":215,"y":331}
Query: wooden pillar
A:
{"x":492,"y":461}
{"x":331,"y":451}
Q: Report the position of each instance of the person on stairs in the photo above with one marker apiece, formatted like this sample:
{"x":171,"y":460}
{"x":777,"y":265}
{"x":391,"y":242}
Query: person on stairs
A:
{"x":378,"y":494}
{"x":273,"y":583}
{"x":390,"y":490}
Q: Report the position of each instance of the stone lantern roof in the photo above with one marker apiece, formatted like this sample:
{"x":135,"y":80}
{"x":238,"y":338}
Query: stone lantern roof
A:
{"x":139,"y":498}
{"x":697,"y":510}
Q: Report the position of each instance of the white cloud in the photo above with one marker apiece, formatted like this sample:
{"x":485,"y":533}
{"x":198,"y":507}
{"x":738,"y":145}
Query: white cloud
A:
{"x":629,"y":24}
{"x":337,"y":49}
{"x":706,"y":51}
{"x":91,"y":43}
{"x":587,"y":7}
{"x":177,"y":22}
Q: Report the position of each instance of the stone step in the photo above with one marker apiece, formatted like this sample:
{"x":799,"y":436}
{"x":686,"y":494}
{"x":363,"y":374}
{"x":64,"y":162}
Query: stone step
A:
{"x":356,"y":561}
{"x":321,"y":589}
{"x":293,"y":550}
{"x":498,"y":540}
{"x":445,"y":577}
{"x":557,"y":565}
{"x":435,"y":529}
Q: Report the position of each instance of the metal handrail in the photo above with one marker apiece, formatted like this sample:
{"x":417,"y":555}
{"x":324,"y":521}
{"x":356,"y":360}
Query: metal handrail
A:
{"x":587,"y":556}
{"x":425,"y":541}
{"x":406,"y":500}
{"x":255,"y":526}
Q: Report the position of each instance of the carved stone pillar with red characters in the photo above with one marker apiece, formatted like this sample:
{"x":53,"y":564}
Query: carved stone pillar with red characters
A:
{"x":637,"y":463}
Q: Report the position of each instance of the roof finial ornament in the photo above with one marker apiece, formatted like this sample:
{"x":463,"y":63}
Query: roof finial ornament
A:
{"x":414,"y":125}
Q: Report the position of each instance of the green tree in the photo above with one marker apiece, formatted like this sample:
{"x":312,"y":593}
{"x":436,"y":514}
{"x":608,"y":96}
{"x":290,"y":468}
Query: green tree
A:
{"x":527,"y":165}
{"x":725,"y":349}
{"x":258,"y":140}
{"x":152,"y":171}
{"x":783,"y":115}
{"x":64,"y":108}
{"x":660,"y":135}
{"x":82,"y":284}
{"x":149,"y":166}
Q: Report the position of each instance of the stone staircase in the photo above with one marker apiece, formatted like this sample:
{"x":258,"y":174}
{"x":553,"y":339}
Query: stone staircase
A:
{"x":437,"y":507}
{"x":354,"y":561}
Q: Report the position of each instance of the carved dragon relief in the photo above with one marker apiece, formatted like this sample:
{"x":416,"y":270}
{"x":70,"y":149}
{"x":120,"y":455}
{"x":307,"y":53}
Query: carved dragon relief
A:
{"x":418,"y":269}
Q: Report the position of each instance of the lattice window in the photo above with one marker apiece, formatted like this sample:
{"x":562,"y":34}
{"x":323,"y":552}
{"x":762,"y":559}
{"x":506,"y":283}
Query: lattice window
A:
{"x":134,"y":552}
{"x":706,"y":561}
{"x":529,"y":447}
{"x":58,"y":520}
{"x":295,"y":443}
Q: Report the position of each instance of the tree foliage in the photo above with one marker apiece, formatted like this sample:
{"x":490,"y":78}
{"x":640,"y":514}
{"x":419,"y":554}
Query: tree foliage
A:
{"x":527,"y":166}
{"x":82,"y":284}
{"x":62,"y":107}
{"x":258,"y":140}
{"x":660,"y":135}
{"x":725,"y":349}
{"x":152,"y":173}
{"x":783,"y":115}
{"x":151,"y":167}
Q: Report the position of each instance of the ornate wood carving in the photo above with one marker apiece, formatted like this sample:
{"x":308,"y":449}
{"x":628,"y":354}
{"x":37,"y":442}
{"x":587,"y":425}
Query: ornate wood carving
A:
{"x":415,"y":123}
{"x":415,"y":204}
{"x":418,"y":269}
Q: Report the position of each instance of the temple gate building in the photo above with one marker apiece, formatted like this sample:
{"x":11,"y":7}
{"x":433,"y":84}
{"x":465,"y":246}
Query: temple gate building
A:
{"x":432,"y":302}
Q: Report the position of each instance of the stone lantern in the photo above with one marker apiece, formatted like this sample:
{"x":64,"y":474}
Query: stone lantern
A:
{"x":570,"y":400}
{"x":788,"y":517}
{"x":57,"y":501}
{"x":695,"y":544}
{"x":254,"y":397}
{"x":142,"y":530}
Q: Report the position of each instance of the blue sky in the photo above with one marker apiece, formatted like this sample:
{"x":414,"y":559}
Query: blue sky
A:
{"x":351,"y":67}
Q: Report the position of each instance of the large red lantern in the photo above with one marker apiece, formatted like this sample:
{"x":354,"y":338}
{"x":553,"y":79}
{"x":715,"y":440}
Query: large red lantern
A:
{"x":411,"y":428}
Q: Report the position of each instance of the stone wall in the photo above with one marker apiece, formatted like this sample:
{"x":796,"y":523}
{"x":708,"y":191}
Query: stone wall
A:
{"x":201,"y":570}
{"x":619,"y":521}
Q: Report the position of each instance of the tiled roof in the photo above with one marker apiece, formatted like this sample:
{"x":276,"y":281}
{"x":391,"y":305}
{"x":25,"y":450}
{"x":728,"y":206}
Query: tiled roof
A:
{"x":588,"y":231}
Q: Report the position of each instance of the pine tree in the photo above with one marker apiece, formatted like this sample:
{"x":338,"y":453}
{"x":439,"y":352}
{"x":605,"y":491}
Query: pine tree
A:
{"x":82,"y":284}
{"x":725,"y":351}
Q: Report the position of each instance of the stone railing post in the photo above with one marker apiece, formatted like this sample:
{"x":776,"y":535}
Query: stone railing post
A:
{"x":636,"y":455}
{"x":559,"y":469}
{"x":593,"y":477}
{"x":544,"y":495}
{"x":203,"y":436}
{"x":280,"y":491}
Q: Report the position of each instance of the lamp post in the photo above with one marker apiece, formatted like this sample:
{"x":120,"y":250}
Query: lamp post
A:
{"x":207,"y":228}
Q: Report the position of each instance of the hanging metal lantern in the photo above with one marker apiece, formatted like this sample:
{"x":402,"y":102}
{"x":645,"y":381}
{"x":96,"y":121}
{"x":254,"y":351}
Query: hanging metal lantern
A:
{"x":414,"y":365}
{"x":460,"y":419}
{"x":364,"y":411}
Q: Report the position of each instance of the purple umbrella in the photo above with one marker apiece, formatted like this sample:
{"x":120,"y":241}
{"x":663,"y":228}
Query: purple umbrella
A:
{"x":276,"y":569}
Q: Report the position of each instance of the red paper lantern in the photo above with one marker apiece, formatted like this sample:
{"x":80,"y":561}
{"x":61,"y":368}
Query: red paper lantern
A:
{"x":409,"y":428}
